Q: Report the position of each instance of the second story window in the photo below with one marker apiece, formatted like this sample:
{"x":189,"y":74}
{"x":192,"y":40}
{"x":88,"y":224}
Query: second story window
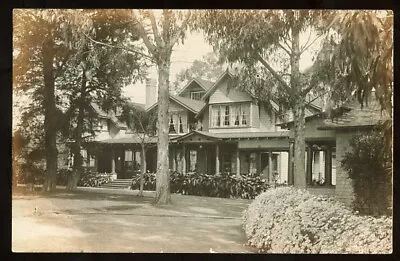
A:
{"x":235,"y":115}
{"x":180,"y":124}
{"x":171,"y":125}
{"x":196,"y":95}
{"x":226,"y":117}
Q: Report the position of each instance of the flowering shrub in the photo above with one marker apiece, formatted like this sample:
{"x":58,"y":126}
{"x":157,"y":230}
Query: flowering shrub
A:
{"x":225,"y":186}
{"x":88,"y":178}
{"x":289,"y":220}
{"x":94,"y":179}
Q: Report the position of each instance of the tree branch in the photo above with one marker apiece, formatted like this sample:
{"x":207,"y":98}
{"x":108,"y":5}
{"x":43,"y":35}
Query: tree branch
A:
{"x":142,"y":32}
{"x":308,"y":46}
{"x":285,"y":49}
{"x":157,"y":37}
{"x":276,"y":75}
{"x":120,"y":47}
{"x":181,"y":28}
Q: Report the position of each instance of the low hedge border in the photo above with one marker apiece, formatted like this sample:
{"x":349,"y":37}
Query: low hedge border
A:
{"x":289,"y":220}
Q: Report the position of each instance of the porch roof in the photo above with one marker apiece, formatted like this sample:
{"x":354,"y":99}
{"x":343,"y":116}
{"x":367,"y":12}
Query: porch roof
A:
{"x":128,"y":140}
{"x":235,"y":135}
{"x":355,"y":117}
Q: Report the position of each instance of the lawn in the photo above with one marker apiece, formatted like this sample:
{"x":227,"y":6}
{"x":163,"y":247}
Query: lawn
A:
{"x":119,"y":221}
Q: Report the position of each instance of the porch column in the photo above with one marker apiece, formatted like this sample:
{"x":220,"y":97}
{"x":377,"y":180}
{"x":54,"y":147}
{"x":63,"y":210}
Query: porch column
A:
{"x":309,"y":165}
{"x":113,"y":173}
{"x":270,"y":166}
{"x":328,"y":166}
{"x":259,"y":162}
{"x":237,"y":162}
{"x":173,"y":152}
{"x":216,"y":158}
{"x":184,"y":159}
{"x":290,"y":163}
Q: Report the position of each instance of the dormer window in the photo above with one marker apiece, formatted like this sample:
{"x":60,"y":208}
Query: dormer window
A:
{"x":196,"y":95}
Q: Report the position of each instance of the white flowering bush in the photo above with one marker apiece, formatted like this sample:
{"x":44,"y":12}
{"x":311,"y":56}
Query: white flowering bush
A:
{"x":289,"y":220}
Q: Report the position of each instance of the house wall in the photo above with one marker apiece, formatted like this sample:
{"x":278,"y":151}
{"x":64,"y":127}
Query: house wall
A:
{"x":311,"y":131}
{"x":344,"y":185}
{"x":222,"y":95}
{"x":267,"y":121}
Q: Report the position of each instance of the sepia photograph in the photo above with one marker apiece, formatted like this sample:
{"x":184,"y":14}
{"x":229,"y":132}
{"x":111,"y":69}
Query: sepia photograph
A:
{"x":202,"y":131}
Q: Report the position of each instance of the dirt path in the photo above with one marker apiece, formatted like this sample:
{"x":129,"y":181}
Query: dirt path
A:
{"x":92,"y":222}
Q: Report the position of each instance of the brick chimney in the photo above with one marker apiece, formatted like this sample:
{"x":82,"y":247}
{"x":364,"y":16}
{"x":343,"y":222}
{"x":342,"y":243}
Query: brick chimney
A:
{"x":151,"y":92}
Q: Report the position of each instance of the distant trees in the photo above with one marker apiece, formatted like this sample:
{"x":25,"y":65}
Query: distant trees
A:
{"x":208,"y":68}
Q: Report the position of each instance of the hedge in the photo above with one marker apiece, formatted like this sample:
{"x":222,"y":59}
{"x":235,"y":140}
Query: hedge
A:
{"x":220,"y":185}
{"x":289,"y":220}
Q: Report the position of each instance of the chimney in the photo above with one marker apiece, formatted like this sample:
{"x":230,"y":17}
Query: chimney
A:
{"x":151,"y":92}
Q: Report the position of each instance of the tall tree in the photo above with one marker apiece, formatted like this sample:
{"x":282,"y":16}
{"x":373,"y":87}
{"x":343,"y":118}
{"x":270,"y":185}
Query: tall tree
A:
{"x":160,"y":32}
{"x":268,"y":47}
{"x":40,"y":53}
{"x":97,"y":74}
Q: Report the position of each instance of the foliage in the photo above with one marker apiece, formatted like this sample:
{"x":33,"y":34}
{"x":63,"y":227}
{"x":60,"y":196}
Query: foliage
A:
{"x":369,"y":165}
{"x":289,"y":220}
{"x":221,"y":185}
{"x":208,"y":68}
{"x":88,"y":178}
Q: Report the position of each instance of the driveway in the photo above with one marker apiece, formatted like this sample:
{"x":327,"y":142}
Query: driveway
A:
{"x":99,"y":220}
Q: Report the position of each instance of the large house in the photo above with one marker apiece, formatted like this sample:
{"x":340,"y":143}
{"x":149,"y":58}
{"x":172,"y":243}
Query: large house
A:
{"x":214,"y":128}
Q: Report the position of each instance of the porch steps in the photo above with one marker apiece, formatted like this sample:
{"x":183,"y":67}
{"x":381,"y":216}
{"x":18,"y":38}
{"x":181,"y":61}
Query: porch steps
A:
{"x":117,"y":184}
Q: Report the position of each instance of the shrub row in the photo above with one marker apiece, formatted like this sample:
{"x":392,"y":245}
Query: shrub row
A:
{"x":289,"y":220}
{"x":221,"y":185}
{"x":88,"y":178}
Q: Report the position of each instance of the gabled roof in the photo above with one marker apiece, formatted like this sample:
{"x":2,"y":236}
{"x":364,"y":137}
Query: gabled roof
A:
{"x":212,"y":89}
{"x":189,"y":104}
{"x":205,"y":84}
{"x":354,"y":116}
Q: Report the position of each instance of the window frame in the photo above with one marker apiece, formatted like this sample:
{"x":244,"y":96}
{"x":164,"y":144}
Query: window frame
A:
{"x":195,"y":93}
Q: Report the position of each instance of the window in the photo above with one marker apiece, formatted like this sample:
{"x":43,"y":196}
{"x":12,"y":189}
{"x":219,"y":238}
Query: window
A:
{"x":171,"y":125}
{"x":192,"y":160}
{"x":226,"y":118}
{"x":84,"y":157}
{"x":196,"y":95}
{"x":180,"y":125}
{"x":227,"y":163}
{"x":229,"y":115}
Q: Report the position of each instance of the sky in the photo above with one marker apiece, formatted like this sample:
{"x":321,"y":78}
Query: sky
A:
{"x":194,"y":48}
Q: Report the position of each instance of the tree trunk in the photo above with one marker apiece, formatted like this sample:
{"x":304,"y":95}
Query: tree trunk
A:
{"x":163,"y":195}
{"x":298,"y":111}
{"x":49,"y":116}
{"x":77,"y":167}
{"x":143,"y":170}
{"x":299,"y":146}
